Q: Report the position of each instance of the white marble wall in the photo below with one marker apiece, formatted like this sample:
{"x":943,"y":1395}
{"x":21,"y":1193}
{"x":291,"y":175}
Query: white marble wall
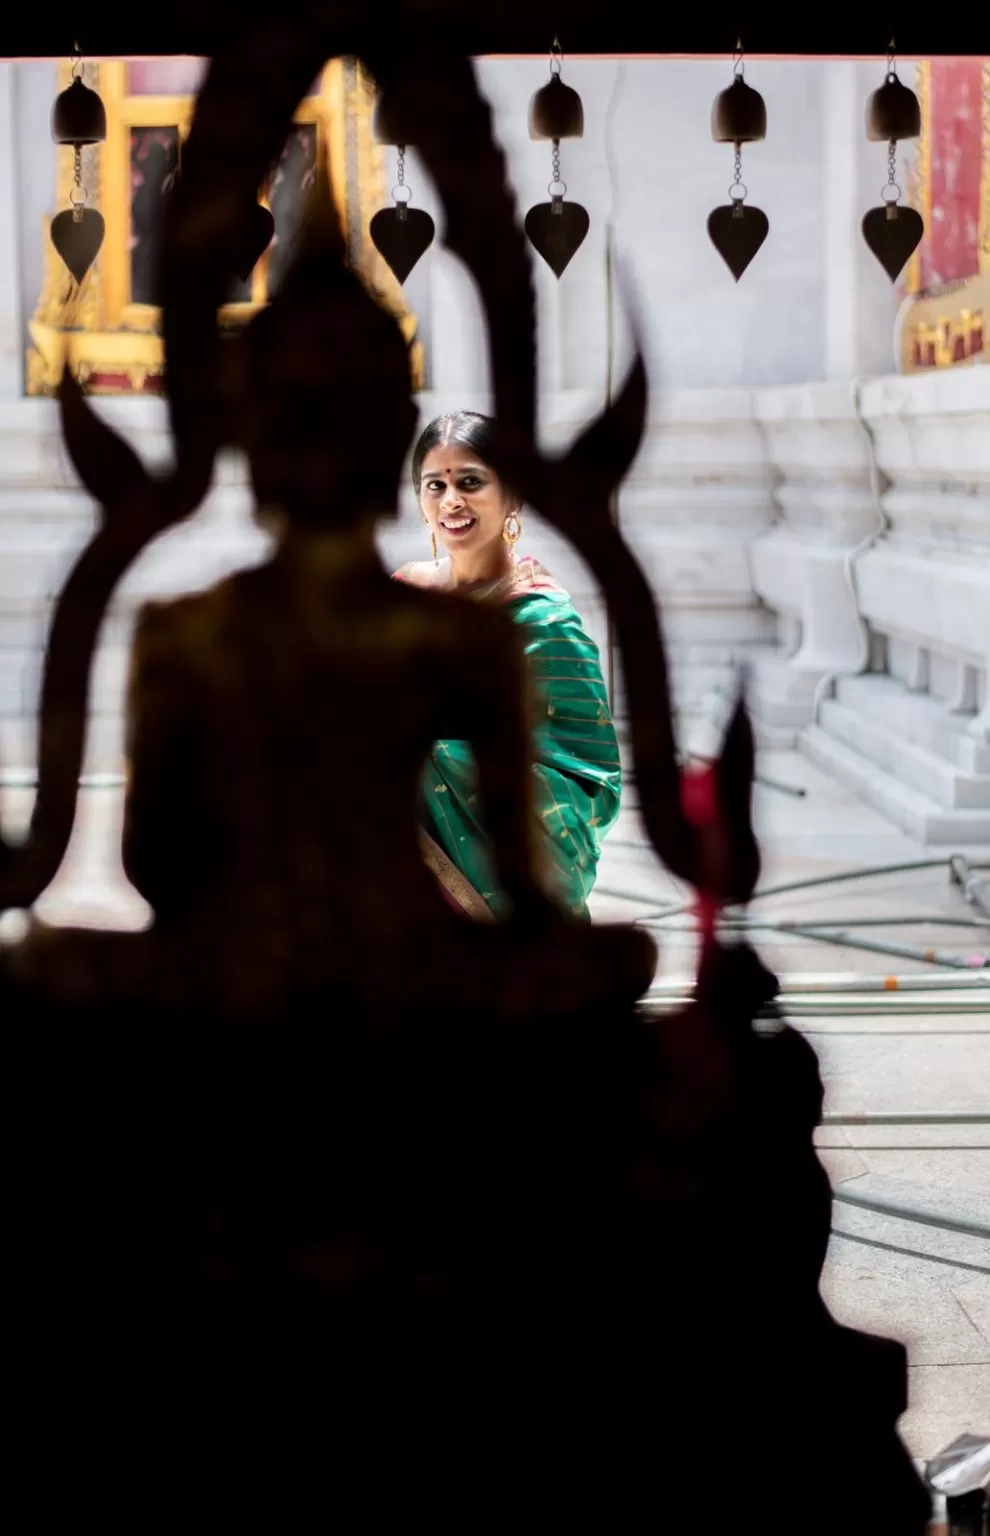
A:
{"x":11,"y":367}
{"x":819,"y":448}
{"x":647,"y":161}
{"x":27,"y":198}
{"x":697,"y":496}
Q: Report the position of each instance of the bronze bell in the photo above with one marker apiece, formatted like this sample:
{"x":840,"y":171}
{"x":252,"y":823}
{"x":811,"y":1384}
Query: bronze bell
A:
{"x":556,"y":112}
{"x":78,"y":116}
{"x":739,"y":114}
{"x":892,"y":112}
{"x":386,"y":123}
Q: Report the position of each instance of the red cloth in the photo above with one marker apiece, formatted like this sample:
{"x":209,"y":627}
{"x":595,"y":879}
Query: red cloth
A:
{"x":699,"y":802}
{"x":956,"y":149}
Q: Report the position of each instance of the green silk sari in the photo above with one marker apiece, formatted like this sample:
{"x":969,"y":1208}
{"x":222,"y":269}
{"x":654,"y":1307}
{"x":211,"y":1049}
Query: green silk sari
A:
{"x":575,"y":761}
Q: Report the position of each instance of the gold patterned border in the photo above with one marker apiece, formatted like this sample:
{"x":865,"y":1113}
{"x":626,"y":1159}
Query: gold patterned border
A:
{"x":984,"y":234}
{"x":453,"y":881}
{"x":921,"y":181}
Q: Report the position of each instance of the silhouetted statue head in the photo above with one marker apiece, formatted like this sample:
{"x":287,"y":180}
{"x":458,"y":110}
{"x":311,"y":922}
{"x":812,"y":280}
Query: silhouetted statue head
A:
{"x":326,"y":414}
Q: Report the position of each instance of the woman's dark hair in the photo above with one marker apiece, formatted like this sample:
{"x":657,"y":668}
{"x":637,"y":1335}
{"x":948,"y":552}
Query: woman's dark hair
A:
{"x":469,"y":428}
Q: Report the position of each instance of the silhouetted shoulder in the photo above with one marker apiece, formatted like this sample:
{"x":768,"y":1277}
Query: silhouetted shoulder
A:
{"x":187,"y":624}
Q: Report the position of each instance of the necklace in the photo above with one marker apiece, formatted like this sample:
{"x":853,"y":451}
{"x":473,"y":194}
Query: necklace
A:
{"x":492,"y":588}
{"x":484,"y":589}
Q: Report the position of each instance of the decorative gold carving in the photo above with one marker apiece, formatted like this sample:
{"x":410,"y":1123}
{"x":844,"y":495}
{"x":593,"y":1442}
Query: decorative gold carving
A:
{"x":103,"y":354}
{"x":948,"y":329}
{"x":108,"y":336}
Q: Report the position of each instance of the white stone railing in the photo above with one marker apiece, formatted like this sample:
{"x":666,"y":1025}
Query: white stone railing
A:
{"x":697,"y":496}
{"x":899,"y":621}
{"x":926,"y":586}
{"x":802,"y":568}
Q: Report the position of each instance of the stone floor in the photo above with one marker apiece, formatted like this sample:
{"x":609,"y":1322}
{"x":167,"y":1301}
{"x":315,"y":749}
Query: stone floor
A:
{"x":936,"y":1295}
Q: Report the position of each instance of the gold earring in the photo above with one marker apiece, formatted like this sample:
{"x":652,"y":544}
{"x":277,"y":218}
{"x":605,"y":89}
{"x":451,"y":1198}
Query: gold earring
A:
{"x":512,"y":529}
{"x":433,"y":547}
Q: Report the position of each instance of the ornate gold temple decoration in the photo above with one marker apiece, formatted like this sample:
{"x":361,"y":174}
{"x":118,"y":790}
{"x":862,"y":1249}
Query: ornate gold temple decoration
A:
{"x":920,"y":192}
{"x":951,"y":327}
{"x":948,"y":328}
{"x":110,"y":327}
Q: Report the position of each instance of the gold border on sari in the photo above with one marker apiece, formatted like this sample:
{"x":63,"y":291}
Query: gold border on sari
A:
{"x":456,"y":884}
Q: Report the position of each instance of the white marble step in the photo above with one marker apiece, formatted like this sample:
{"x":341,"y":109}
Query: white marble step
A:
{"x":918,"y":718}
{"x":916,"y":813}
{"x":917,"y":767}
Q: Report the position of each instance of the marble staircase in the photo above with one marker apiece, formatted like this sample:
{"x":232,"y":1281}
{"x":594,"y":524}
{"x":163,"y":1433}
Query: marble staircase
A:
{"x":908,"y":756}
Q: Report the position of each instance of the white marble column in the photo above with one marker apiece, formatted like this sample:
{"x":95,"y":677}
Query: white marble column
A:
{"x":802,"y":568}
{"x":699,"y":493}
{"x":860,"y":301}
{"x":11,"y":365}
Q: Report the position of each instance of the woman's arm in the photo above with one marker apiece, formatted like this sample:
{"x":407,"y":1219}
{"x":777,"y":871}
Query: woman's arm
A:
{"x":498,"y":729}
{"x":577,"y":772}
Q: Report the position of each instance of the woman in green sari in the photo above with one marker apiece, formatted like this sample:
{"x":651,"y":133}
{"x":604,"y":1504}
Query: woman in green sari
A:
{"x":475,"y":519}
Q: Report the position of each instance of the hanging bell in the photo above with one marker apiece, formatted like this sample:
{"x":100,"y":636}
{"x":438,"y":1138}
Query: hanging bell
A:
{"x":892,"y":112}
{"x":78,"y":116}
{"x":387,"y":124}
{"x":739,"y":114}
{"x":556,"y":112}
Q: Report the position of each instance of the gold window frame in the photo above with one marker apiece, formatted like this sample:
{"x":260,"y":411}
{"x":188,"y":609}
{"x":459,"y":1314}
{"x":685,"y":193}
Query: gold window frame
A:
{"x":97,"y":327}
{"x":126,"y":111}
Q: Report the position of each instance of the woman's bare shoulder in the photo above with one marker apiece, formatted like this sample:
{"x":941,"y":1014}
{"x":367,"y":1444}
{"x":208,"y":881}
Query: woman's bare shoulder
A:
{"x":418,"y":573}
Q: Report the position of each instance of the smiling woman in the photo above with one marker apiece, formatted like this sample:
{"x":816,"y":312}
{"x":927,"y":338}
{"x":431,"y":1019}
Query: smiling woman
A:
{"x":475,"y":519}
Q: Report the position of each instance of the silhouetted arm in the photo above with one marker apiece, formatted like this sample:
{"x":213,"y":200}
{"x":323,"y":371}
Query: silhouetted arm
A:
{"x":164,"y":831}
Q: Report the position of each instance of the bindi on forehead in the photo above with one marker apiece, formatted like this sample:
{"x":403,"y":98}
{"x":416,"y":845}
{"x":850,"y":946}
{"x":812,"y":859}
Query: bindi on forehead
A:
{"x":452,"y":469}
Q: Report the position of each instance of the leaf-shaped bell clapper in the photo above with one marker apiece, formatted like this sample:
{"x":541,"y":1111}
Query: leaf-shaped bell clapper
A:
{"x":77,"y":235}
{"x":78,"y":116}
{"x":739,"y":114}
{"x":892,"y":112}
{"x":556,"y":111}
{"x":400,"y":235}
{"x":893,"y":234}
{"x":556,"y":230}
